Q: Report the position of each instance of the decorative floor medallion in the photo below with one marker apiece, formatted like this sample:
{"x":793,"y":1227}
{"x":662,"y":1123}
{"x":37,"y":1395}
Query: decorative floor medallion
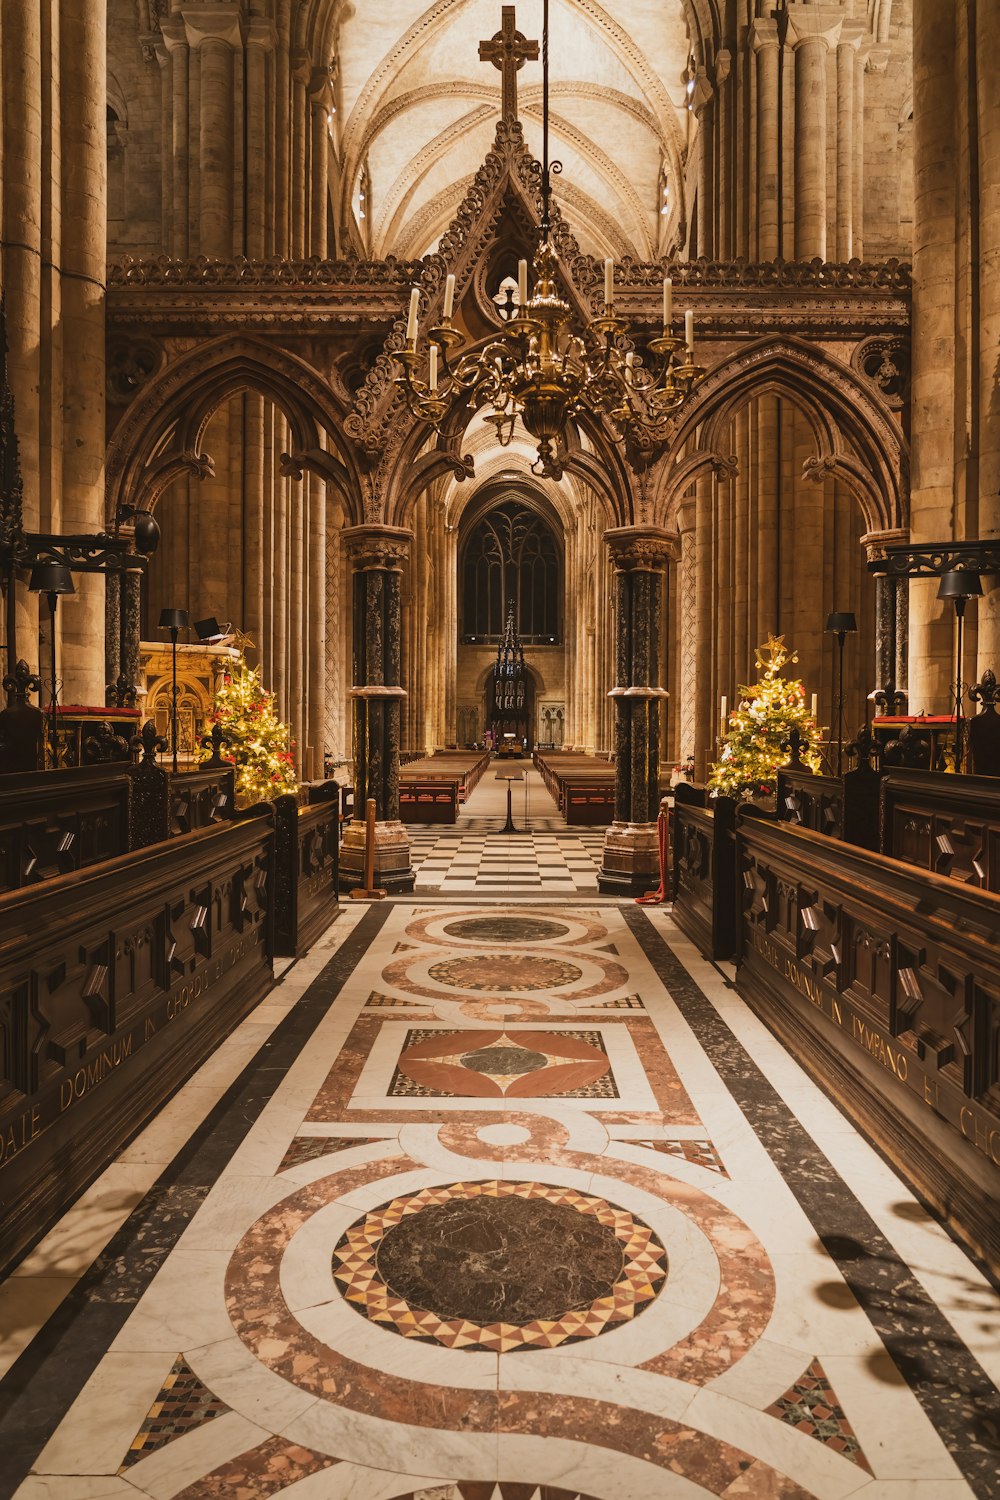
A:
{"x":500,"y":1266}
{"x":506,"y":929}
{"x":503,"y":1064}
{"x":504,"y":973}
{"x":183,"y":1404}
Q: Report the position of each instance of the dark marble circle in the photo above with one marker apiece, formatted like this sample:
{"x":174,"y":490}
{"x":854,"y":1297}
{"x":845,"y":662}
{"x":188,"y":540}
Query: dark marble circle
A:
{"x":492,"y":1260}
{"x":503,"y":1062}
{"x":504,"y":972}
{"x":506,"y":929}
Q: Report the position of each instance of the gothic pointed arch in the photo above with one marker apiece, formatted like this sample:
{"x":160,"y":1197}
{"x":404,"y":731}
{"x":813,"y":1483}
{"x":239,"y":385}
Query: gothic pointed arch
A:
{"x":160,"y":435}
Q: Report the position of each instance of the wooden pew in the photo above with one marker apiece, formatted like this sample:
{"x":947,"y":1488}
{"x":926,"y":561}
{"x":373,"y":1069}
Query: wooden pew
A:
{"x":307,"y":865}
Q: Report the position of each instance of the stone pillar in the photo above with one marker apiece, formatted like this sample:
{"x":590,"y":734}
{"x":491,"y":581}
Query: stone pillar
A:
{"x":83,"y":95}
{"x":175,"y":40}
{"x":987,"y":56}
{"x":847,"y":68}
{"x":319,"y":160}
{"x":935,"y":356}
{"x":764,"y":40}
{"x":378,"y":555}
{"x":260,"y":46}
{"x":640,"y":554}
{"x":216,"y":33}
{"x":813,"y":30}
{"x":890,"y":616}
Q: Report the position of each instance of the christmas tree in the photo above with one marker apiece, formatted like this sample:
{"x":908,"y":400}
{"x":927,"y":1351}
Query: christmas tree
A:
{"x":759,"y":727}
{"x":259,"y":742}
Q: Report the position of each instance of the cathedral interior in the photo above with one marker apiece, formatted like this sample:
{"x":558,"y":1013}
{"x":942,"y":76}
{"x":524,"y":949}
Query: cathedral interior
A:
{"x":422,"y":414}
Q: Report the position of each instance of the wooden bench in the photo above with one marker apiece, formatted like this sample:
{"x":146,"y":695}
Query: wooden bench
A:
{"x":432,"y":801}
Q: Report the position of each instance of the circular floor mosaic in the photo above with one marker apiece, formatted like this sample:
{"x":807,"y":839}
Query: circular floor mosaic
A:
{"x":502,"y":973}
{"x":500,"y":1266}
{"x":506,"y":930}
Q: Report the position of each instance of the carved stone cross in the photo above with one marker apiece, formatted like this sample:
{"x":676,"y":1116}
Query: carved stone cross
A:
{"x":508,"y":50}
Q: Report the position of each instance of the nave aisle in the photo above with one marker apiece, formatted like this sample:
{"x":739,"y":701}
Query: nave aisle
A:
{"x":509,"y":1200}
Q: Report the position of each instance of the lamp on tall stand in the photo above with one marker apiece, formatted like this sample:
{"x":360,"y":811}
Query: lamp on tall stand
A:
{"x":52,"y":579}
{"x":841,"y":623}
{"x":960,"y":585}
{"x":174,"y":620}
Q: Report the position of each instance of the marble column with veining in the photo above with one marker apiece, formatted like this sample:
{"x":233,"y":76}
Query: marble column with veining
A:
{"x":378,"y":555}
{"x":631,"y":853}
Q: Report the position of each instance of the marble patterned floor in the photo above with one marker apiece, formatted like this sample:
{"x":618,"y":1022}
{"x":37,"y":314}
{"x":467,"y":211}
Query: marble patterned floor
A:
{"x":469,"y":858}
{"x":506,"y":1201}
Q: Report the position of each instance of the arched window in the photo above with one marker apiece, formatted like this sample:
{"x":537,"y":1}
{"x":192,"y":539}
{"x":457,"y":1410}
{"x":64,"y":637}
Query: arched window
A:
{"x":511,"y":554}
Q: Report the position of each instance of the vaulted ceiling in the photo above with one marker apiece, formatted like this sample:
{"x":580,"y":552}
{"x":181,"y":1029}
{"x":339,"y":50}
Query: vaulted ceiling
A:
{"x":417,"y":111}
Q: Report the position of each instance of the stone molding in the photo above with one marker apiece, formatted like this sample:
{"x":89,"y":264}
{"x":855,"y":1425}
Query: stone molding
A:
{"x":814,"y":23}
{"x":217,"y":22}
{"x":373,"y":547}
{"x":638,"y":548}
{"x":875,"y":542}
{"x":763,"y":33}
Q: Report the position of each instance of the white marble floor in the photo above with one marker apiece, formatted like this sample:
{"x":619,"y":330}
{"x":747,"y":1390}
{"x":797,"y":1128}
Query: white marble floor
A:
{"x":508,"y":1222}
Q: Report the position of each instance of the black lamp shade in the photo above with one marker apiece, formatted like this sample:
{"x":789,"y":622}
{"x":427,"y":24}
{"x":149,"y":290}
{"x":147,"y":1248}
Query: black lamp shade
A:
{"x":207,"y":630}
{"x":51,"y":578}
{"x":173,"y":619}
{"x":960,"y":583}
{"x":147,"y":533}
{"x":841,"y":620}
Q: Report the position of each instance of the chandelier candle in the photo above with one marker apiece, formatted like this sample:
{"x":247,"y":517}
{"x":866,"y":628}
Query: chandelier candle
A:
{"x":668,"y":303}
{"x":449,"y":297}
{"x":689,"y":330}
{"x":609,"y":282}
{"x":432,"y":378}
{"x":411,"y":322}
{"x":522,"y":284}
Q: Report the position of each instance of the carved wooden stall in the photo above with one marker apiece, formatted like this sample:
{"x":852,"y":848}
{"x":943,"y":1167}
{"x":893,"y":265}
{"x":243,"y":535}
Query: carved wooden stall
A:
{"x":307,"y":866}
{"x":704,"y":869}
{"x":948,"y":824}
{"x":116,"y":982}
{"x":884,"y":981}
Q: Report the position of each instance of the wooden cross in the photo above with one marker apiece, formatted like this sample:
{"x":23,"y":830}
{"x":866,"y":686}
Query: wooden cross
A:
{"x":508,"y":50}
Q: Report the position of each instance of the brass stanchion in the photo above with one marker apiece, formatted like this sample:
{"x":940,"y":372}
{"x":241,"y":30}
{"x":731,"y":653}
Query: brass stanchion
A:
{"x":368,"y":892}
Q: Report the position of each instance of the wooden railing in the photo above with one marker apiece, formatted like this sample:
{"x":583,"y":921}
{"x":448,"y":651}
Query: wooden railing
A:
{"x":948,"y":824}
{"x":307,"y":867}
{"x":704,"y":869}
{"x":53,"y":822}
{"x":885,"y":983}
{"x":117,"y":981}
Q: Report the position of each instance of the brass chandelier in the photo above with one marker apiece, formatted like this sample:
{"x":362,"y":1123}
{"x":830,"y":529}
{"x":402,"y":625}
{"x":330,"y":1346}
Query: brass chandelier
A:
{"x":542,"y":371}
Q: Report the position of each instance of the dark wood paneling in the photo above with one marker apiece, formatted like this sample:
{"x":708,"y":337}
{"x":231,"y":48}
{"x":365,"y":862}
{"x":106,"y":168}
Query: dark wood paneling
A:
{"x":885,"y":983}
{"x":52,"y":822}
{"x":306,"y":868}
{"x":115,"y":983}
{"x":948,"y":824}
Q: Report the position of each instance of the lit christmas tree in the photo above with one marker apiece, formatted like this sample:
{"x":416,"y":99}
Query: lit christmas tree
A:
{"x":760,"y":725}
{"x":259,"y":742}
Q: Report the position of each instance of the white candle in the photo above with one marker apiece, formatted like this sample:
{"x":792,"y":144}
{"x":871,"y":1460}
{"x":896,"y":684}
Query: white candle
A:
{"x":411,"y":322}
{"x":689,"y":330}
{"x":432,"y":379}
{"x":722,"y":710}
{"x":522,"y":283}
{"x":609,"y":282}
{"x":668,"y":303}
{"x":812,"y":710}
{"x":449,"y":297}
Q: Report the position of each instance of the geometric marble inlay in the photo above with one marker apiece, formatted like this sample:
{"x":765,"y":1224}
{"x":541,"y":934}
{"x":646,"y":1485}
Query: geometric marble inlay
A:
{"x":183,"y":1404}
{"x":810,"y":1406}
{"x":500,"y":1266}
{"x":503,"y":1064}
{"x":504,"y":972}
{"x":309,"y":1147}
{"x":487,"y":1490}
{"x":702,"y":1153}
{"x":506,"y":929}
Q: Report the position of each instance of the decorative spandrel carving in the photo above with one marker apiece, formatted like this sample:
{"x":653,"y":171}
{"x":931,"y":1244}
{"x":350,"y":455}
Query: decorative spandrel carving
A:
{"x":886,"y":363}
{"x":131,"y":366}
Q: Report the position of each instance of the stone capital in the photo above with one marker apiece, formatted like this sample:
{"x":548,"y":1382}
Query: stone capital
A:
{"x":877,"y":60}
{"x":852,"y":34}
{"x":763,"y":33}
{"x":319,"y":87}
{"x":875,"y":542}
{"x":378,"y":547}
{"x":723,"y":67}
{"x":814,"y":23}
{"x":214,"y":22}
{"x":262,"y":33}
{"x":635,"y":548}
{"x":302,"y":65}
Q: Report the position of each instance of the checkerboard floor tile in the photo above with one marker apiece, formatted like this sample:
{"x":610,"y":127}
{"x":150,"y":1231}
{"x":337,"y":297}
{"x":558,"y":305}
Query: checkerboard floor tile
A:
{"x":478,"y":860}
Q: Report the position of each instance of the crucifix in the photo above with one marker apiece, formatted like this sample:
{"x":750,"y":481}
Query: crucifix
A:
{"x":508,"y":50}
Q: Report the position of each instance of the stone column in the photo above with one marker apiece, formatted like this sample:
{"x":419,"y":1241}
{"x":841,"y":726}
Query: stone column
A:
{"x":319,"y":160}
{"x":987,"y":56}
{"x":687,"y":654}
{"x":847,"y":67}
{"x":260,"y":45}
{"x":378,"y":555}
{"x":764,"y":40}
{"x":175,"y":40}
{"x":83,"y":94}
{"x":935,"y":357}
{"x":631,"y":852}
{"x":813,"y":30}
{"x":217,"y":34}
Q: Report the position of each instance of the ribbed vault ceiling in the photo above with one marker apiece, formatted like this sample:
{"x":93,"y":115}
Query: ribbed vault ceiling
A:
{"x":417,"y":112}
